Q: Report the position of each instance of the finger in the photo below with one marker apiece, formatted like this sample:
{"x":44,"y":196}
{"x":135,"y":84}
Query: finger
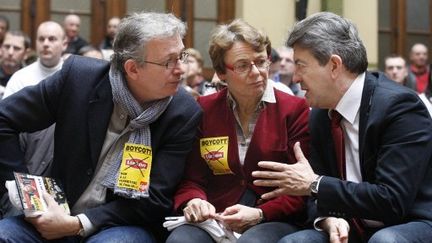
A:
{"x":49,"y":199}
{"x":230,"y":210}
{"x":343,"y":232}
{"x":271,"y":165}
{"x":187,"y":212}
{"x":334,"y":237}
{"x":272,"y":194}
{"x":266,"y":174}
{"x":266,"y":183}
{"x":298,"y":152}
{"x":334,"y":234}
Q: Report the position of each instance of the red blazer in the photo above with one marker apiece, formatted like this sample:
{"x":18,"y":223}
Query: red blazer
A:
{"x":277,"y":128}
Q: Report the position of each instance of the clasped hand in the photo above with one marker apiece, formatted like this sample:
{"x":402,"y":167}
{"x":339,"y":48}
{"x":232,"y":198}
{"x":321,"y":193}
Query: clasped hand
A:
{"x":237,"y":218}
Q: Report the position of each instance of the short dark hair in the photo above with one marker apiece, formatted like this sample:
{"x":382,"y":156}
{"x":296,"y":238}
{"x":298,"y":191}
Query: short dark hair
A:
{"x":6,"y":20}
{"x":325,"y":34}
{"x":27,"y":40}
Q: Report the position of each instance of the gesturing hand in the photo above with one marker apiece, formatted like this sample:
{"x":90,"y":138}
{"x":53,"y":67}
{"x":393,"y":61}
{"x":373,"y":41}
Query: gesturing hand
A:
{"x":289,"y":179}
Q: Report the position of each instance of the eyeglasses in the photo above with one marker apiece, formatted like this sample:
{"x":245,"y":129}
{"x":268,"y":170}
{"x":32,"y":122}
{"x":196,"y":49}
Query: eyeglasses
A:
{"x":170,"y":64}
{"x":246,"y":66}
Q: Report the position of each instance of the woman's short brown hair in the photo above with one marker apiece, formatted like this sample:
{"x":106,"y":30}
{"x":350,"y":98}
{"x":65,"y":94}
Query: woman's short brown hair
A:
{"x":224,"y":36}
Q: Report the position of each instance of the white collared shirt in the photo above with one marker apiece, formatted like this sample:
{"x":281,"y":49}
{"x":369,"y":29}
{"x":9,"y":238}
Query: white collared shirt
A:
{"x":349,"y":108}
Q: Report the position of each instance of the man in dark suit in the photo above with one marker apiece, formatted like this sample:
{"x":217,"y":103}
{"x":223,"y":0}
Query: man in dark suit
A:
{"x":370,"y":173}
{"x":123,"y":130}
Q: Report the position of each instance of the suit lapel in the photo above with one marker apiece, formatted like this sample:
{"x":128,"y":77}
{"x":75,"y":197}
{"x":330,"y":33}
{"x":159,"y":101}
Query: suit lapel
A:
{"x":365,"y":105}
{"x":99,"y":114}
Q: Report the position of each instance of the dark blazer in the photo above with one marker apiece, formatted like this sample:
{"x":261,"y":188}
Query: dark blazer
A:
{"x":79,"y":99}
{"x":278,"y":127}
{"x":395,"y":147}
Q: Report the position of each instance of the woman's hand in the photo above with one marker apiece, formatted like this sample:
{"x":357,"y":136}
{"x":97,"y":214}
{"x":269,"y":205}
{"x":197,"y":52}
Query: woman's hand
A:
{"x":239,"y":218}
{"x":198,"y":210}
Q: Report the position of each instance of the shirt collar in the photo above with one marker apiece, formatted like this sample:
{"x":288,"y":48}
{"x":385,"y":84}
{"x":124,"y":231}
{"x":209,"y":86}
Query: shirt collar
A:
{"x":349,"y":104}
{"x":267,"y":97}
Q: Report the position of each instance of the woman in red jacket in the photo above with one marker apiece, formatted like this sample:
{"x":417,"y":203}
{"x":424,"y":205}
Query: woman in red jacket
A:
{"x":247,"y":122}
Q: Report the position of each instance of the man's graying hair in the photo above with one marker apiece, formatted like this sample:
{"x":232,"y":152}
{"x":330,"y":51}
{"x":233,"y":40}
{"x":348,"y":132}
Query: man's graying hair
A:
{"x":325,"y":34}
{"x":136,"y":30}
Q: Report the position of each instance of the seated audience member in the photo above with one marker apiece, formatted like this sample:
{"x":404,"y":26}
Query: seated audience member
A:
{"x":244,"y":123}
{"x":4,"y":28}
{"x":419,"y":69}
{"x":111,"y":31}
{"x":14,"y":50}
{"x":274,"y":63}
{"x":274,"y":70}
{"x":286,"y":70}
{"x":38,"y":147}
{"x":396,"y":69}
{"x":193,"y":72}
{"x":106,"y":113}
{"x":370,"y":169}
{"x":71,"y":25}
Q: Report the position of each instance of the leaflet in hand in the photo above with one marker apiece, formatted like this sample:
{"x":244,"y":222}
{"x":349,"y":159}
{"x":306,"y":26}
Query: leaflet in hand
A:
{"x":30,"y":191}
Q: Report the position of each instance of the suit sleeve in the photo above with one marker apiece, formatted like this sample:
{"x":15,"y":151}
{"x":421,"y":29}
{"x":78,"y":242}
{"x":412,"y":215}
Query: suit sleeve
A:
{"x":397,"y":152}
{"x":30,"y":109}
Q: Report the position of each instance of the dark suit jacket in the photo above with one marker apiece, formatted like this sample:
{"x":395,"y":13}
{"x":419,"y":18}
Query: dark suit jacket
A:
{"x":395,"y":147}
{"x":79,"y":99}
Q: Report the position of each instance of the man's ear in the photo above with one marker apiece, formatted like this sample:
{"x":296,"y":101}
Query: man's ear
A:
{"x":27,"y":53}
{"x":64,"y":44}
{"x":131,"y":69}
{"x":336,"y":65}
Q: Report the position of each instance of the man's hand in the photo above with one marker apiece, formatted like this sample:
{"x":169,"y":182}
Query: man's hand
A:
{"x":55,"y":223}
{"x":290,"y":179}
{"x":337,"y":228}
{"x":198,"y":210}
{"x":239,"y":217}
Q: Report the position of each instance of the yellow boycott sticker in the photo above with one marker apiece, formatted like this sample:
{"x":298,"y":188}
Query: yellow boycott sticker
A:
{"x":214,"y":151}
{"x":135,"y":167}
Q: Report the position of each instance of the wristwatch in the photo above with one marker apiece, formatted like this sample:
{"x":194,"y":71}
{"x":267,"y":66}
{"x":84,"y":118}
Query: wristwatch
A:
{"x":314,"y":186}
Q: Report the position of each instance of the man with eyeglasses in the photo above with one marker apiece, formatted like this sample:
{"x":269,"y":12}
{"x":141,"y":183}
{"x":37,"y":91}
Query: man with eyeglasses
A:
{"x":123,"y":130}
{"x":244,"y":123}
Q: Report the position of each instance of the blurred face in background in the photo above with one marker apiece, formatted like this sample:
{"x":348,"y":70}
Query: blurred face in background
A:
{"x":112,"y":27}
{"x":395,"y":69}
{"x":286,"y":62}
{"x":72,"y":26}
{"x":3,"y":30}
{"x":13,"y":51}
{"x":50,"y":43}
{"x":419,"y":55}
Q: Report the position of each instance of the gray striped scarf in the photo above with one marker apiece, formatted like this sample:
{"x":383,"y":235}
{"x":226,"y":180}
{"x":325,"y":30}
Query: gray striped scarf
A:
{"x":139,"y":128}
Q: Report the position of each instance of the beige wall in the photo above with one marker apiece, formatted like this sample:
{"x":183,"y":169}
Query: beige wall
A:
{"x":276,"y":17}
{"x":365,"y":15}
